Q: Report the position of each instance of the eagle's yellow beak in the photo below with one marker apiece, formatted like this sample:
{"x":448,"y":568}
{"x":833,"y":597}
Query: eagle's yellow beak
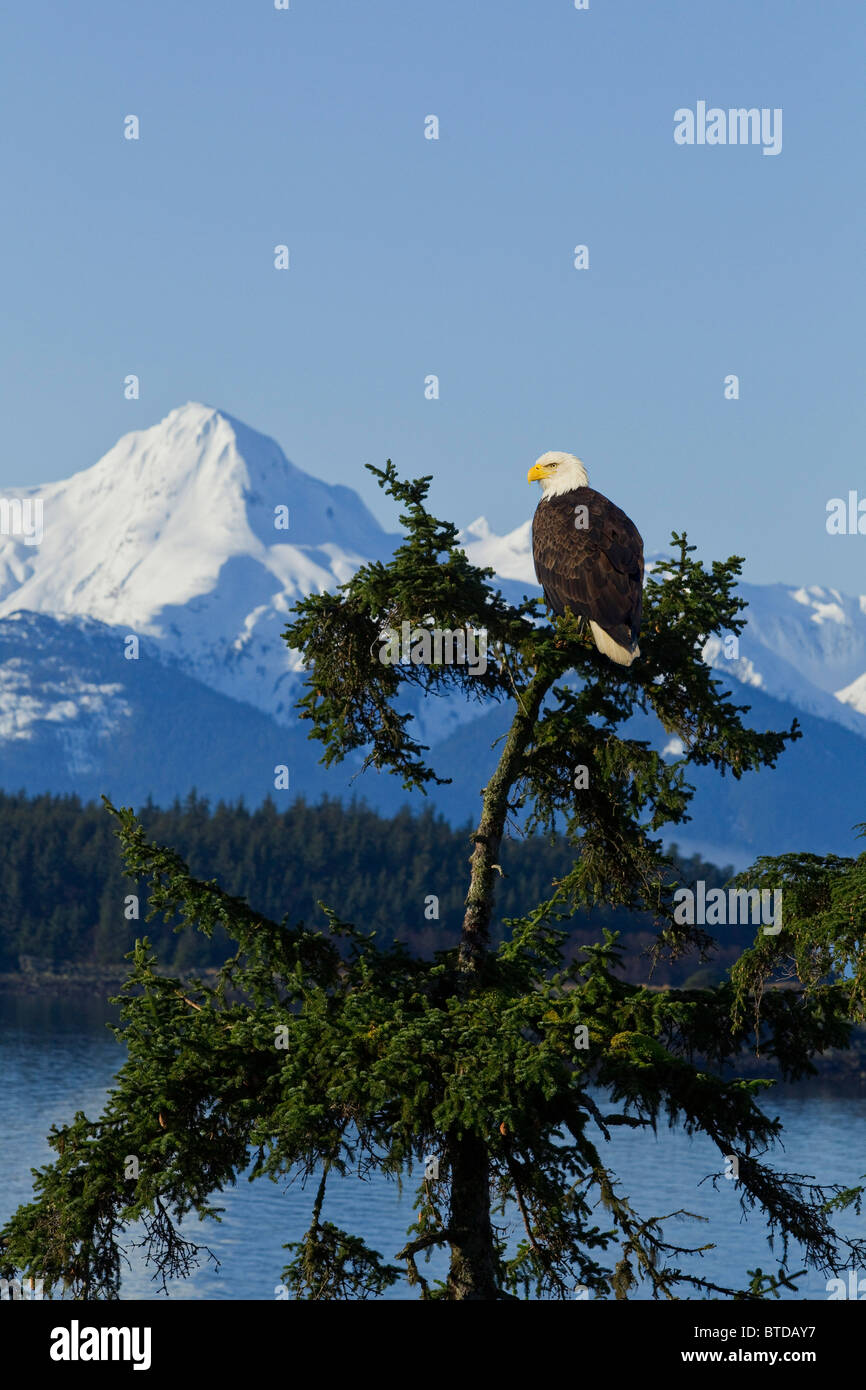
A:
{"x":537,"y":471}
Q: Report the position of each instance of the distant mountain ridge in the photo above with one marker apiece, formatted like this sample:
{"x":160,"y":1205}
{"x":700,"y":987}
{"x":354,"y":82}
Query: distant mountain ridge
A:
{"x":178,"y":537}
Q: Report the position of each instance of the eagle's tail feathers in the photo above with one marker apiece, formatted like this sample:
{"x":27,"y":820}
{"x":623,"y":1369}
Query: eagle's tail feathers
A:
{"x":623,"y":656}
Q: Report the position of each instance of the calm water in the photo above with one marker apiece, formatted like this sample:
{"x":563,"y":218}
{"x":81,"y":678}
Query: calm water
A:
{"x":58,"y":1057}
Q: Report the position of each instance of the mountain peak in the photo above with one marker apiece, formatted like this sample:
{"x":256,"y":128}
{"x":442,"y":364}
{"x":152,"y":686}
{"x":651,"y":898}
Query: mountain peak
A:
{"x":197,"y":531}
{"x":192,"y":440}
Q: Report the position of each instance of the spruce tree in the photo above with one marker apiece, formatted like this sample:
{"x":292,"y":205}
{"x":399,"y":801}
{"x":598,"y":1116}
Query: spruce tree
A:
{"x":328,"y":1051}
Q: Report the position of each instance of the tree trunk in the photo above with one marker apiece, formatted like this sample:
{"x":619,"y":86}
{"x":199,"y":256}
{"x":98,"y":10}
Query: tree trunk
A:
{"x":474,"y":1269}
{"x":488,"y":836}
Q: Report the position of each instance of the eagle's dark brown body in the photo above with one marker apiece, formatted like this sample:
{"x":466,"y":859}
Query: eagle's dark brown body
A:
{"x":589,"y":561}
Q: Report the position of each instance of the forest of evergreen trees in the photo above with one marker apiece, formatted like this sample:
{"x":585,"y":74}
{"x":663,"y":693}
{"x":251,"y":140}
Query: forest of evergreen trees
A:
{"x":63,"y":891}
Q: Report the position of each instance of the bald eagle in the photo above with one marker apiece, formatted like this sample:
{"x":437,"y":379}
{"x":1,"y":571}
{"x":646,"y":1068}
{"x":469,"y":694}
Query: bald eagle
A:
{"x":588,"y":556}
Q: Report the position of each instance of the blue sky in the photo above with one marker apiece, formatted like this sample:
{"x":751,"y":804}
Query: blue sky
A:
{"x":412,"y":257}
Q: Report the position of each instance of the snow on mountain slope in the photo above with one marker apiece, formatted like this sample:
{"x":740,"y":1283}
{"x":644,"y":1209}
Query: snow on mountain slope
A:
{"x":172,"y":534}
{"x":806,"y":646}
{"x":77,"y":716}
{"x":510,"y":555}
{"x":854,"y":694}
{"x":41,"y":689}
{"x":819,"y":632}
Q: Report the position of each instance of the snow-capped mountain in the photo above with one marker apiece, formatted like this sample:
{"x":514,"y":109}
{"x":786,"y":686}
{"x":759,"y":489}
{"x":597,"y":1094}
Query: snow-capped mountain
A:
{"x":197,"y":536}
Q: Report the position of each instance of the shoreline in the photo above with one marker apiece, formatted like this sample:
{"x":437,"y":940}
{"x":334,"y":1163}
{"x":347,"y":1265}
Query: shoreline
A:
{"x":96,"y":981}
{"x":838,"y":1073}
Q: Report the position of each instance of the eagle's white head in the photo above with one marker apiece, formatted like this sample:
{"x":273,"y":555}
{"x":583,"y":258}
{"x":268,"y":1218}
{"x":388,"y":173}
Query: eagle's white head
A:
{"x":557,"y":473}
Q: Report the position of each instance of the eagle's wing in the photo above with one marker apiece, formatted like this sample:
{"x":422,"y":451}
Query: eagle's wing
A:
{"x":596,"y":570}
